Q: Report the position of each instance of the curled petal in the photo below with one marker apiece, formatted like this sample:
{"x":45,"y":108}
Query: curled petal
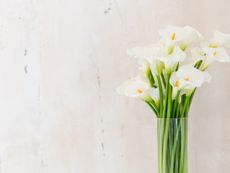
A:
{"x":154,"y":93}
{"x":172,"y":57}
{"x":185,"y":34}
{"x":188,"y":77}
{"x":221,"y":39}
{"x":146,"y":52}
{"x":134,"y":87}
{"x":215,"y":54}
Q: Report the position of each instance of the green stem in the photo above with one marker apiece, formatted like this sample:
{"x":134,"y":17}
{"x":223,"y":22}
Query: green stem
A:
{"x":160,"y":128}
{"x":163,"y":80}
{"x":166,"y":96}
{"x":167,"y":112}
{"x":174,"y":148}
{"x":176,"y":104}
{"x":186,"y":104}
{"x":165,"y":140}
{"x":150,"y":77}
{"x":183,"y":157}
{"x":153,"y":108}
{"x":161,"y":95}
{"x":169,"y":102}
{"x":190,"y":102}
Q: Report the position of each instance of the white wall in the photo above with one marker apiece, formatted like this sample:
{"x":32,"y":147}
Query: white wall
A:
{"x":60,"y":62}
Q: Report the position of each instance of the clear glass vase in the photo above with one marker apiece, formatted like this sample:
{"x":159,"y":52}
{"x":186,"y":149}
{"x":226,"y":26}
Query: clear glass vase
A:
{"x":172,"y":134}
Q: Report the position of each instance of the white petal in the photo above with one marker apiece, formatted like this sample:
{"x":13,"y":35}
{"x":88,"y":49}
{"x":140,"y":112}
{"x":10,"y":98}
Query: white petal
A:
{"x":133,"y":88}
{"x":192,"y":77}
{"x":147,"y":52}
{"x":156,"y":66}
{"x":196,"y":55}
{"x":221,"y":39}
{"x":207,"y":77}
{"x":177,"y":55}
{"x":176,"y":81}
{"x":154,"y":93}
{"x":216,"y":54}
{"x":185,"y":34}
{"x":172,"y":33}
{"x":144,"y":65}
{"x":173,"y":80}
{"x":193,"y":34}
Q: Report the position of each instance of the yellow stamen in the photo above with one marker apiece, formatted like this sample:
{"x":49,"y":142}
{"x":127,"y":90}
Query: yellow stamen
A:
{"x":170,"y":50}
{"x":213,"y":45}
{"x":173,"y":36}
{"x":186,"y":78}
{"x":215,"y":53}
{"x":176,"y":84}
{"x":139,"y":91}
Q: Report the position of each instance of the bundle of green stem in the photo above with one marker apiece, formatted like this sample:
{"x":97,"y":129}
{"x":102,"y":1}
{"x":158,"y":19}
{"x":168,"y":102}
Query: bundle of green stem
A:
{"x":170,"y":106}
{"x":172,"y":145}
{"x":172,"y":126}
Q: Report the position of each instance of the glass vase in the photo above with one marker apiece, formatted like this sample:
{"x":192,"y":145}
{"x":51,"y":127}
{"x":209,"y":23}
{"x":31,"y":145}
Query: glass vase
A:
{"x":172,"y":134}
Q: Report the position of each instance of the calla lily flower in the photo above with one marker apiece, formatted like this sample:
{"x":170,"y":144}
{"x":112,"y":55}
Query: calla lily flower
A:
{"x":220,"y":39}
{"x":154,"y":94}
{"x":171,"y":55}
{"x":145,"y":71}
{"x":167,"y":53}
{"x":157,"y":66}
{"x":135,"y":87}
{"x":215,"y":54}
{"x":144,"y":65}
{"x":209,"y":55}
{"x":148,"y":52}
{"x":188,"y":77}
{"x":196,"y":54}
{"x":185,"y":35}
{"x":177,"y":82}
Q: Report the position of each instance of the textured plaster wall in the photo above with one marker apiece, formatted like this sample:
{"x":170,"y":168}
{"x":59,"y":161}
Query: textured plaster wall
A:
{"x":60,"y":62}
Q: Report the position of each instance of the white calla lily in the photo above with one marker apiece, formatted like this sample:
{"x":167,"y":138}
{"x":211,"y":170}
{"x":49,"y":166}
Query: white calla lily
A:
{"x":185,"y":34}
{"x":220,"y":39}
{"x":148,"y":52}
{"x":154,"y":94}
{"x":171,"y":55}
{"x":135,"y":87}
{"x":196,"y":55}
{"x":156,"y":66}
{"x":193,"y":35}
{"x":177,"y":82}
{"x":215,"y":54}
{"x":188,"y":77}
{"x":208,"y":55}
{"x":172,"y":33}
{"x":144,"y":65}
{"x":145,"y":71}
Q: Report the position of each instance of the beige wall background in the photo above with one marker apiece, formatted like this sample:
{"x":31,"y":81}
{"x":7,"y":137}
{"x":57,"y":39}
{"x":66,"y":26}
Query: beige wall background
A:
{"x":60,"y":62}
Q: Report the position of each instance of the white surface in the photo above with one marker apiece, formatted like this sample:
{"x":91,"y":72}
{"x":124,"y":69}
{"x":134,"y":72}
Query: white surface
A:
{"x":60,"y":62}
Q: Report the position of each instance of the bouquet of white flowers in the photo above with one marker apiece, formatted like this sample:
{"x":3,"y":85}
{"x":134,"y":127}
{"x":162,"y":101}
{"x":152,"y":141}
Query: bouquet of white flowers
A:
{"x":173,"y":68}
{"x":171,"y":71}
